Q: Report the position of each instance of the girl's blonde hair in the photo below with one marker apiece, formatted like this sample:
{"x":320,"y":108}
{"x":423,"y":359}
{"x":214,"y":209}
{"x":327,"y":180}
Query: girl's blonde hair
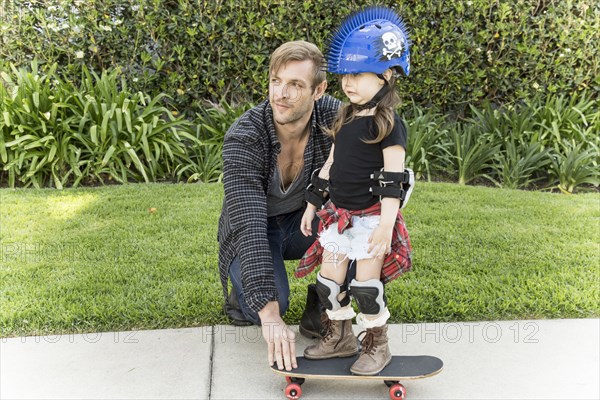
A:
{"x":384,"y":115}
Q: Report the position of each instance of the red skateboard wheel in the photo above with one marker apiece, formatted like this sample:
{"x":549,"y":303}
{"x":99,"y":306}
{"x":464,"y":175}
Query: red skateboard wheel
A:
{"x":293,"y":391}
{"x":397,"y":391}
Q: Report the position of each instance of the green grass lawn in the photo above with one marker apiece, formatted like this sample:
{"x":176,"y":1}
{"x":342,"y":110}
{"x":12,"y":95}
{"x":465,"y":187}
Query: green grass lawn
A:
{"x":96,"y":259}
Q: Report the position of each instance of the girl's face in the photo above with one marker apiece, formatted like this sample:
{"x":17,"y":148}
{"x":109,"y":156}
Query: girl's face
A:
{"x":361,"y":87}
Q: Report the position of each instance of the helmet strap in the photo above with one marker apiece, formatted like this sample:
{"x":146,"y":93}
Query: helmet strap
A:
{"x":385,"y":89}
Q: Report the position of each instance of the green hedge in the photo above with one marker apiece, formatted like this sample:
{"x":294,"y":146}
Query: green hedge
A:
{"x":539,"y":144}
{"x":56,"y":133}
{"x":464,"y":52}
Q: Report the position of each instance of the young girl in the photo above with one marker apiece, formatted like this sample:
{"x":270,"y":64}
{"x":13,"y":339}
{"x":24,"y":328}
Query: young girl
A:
{"x":367,"y":184}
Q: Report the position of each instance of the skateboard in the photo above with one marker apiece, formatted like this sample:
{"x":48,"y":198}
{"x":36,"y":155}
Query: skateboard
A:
{"x":400,"y":368}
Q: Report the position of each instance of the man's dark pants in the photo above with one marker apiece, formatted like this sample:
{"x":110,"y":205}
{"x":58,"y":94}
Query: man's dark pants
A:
{"x":287,"y":243}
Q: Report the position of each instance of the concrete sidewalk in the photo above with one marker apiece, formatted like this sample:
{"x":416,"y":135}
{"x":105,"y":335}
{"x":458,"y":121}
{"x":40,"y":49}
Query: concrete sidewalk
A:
{"x":546,"y":359}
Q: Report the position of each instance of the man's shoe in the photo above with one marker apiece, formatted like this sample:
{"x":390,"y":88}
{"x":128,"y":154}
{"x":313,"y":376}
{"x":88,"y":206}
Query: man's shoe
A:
{"x":310,"y":324}
{"x":233,"y":311}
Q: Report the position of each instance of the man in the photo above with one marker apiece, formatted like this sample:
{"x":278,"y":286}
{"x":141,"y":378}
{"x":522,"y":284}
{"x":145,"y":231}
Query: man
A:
{"x":269,"y":155}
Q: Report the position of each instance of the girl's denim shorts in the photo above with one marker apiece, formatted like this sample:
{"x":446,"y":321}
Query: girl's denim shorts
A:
{"x":353,"y":242}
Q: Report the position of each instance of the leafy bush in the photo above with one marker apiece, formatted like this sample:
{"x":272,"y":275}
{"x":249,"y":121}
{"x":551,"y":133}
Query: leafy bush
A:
{"x":463,"y":52}
{"x":521,"y":156}
{"x":54,"y":133}
{"x":128,"y":136}
{"x":35,"y":126}
{"x":206,"y":164}
{"x":519,"y":164}
{"x":551,"y":143}
{"x":569,"y":127}
{"x":547,"y":142}
{"x":468,"y":154}
{"x":574,"y":118}
{"x":575,"y":165}
{"x":425,"y":131}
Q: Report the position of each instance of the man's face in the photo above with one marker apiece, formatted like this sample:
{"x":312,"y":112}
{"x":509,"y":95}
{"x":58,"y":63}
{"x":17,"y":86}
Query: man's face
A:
{"x":290,"y":91}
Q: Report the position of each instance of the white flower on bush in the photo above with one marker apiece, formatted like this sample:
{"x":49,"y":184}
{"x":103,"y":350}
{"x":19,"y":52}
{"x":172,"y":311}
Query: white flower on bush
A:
{"x":79,"y":54}
{"x":105,"y":28}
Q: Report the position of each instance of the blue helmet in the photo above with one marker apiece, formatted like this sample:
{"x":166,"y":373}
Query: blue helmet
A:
{"x":371,"y":40}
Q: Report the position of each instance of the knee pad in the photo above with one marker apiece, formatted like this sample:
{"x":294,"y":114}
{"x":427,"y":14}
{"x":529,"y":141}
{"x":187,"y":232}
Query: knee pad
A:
{"x":328,"y":292}
{"x":369,"y":296}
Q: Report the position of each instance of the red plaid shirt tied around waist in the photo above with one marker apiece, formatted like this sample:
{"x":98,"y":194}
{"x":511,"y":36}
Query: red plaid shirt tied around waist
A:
{"x":396,"y":262}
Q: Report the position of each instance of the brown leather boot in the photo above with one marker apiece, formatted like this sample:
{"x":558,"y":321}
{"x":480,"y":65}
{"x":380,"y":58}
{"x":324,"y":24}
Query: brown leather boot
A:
{"x":338,"y":340}
{"x":375,"y":354}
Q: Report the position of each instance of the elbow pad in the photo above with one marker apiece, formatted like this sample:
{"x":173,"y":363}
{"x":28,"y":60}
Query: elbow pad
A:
{"x":394,"y":184}
{"x":317,"y":190}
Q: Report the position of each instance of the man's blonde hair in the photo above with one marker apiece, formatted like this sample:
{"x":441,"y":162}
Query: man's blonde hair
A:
{"x":299,"y":50}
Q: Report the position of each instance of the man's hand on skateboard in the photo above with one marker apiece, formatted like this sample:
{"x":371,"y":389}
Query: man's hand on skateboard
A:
{"x":281,"y":340}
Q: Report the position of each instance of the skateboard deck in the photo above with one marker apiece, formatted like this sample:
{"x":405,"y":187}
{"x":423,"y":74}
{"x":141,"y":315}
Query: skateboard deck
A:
{"x":400,"y":368}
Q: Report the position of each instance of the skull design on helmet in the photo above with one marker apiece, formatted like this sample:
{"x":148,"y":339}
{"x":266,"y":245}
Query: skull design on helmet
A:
{"x":392,"y":44}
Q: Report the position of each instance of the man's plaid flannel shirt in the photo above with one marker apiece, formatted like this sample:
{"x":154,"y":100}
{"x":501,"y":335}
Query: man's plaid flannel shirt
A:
{"x":250,"y":150}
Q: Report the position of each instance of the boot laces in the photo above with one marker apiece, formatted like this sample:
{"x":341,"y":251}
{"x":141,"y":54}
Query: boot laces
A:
{"x":327,"y":327}
{"x":368,"y":341}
